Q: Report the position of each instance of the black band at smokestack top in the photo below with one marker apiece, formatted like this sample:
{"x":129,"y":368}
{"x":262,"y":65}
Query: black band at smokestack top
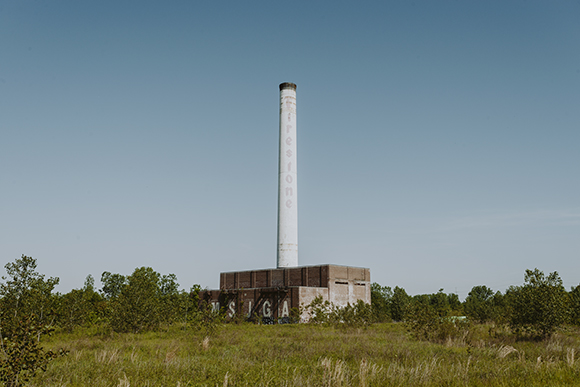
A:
{"x":287,"y":85}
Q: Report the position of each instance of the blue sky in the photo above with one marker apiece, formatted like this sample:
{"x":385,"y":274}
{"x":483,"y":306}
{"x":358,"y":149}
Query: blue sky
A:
{"x":438,"y":141}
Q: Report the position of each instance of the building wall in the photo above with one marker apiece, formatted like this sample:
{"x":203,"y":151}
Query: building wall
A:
{"x":272,"y":293}
{"x":316,"y":276}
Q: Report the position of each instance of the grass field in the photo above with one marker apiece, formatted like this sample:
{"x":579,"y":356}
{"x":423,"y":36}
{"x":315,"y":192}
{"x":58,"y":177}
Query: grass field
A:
{"x":309,"y":355}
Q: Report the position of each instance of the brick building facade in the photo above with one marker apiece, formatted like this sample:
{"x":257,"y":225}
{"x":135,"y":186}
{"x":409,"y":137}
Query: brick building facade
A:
{"x":272,"y":293}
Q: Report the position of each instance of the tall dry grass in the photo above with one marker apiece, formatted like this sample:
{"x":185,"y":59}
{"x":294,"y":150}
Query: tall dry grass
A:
{"x":306,"y":355}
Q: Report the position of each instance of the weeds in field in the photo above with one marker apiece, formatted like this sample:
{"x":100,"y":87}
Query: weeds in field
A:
{"x":570,"y":356}
{"x":308,"y":355}
{"x":505,"y":350}
{"x":124,"y":382}
{"x":205,"y":343}
{"x":334,"y":373}
{"x":368,"y":372}
{"x":107,"y":356}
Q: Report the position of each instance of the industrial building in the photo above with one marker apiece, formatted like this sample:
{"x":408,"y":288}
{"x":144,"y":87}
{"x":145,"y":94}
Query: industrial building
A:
{"x":272,"y":294}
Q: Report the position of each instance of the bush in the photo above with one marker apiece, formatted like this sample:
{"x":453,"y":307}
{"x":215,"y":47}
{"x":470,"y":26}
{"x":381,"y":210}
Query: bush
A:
{"x":381,"y":300}
{"x":22,"y":355}
{"x":318,"y":311}
{"x":324,"y":312}
{"x":400,"y":303}
{"x":539,"y":306}
{"x":138,"y":306}
{"x":81,"y":307}
{"x":425,"y":322}
{"x":575,"y":305}
{"x":478,"y":304}
{"x":207,"y":319}
{"x":26,"y":293}
{"x":352,"y":316}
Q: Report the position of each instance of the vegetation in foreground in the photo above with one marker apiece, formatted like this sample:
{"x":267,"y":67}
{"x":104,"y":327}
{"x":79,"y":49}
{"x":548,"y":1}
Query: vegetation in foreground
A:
{"x":383,"y":354}
{"x":141,"y":330}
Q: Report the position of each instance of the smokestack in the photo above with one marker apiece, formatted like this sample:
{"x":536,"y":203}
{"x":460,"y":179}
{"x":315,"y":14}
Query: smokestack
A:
{"x":287,"y":193}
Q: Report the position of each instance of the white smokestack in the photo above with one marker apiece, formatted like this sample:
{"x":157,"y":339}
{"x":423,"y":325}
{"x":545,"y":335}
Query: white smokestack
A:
{"x":287,"y":193}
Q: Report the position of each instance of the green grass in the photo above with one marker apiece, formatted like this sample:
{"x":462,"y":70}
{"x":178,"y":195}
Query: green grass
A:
{"x":308,"y":355}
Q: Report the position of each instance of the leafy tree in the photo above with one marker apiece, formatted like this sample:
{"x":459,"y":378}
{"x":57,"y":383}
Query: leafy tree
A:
{"x":188,"y":303}
{"x":95,"y":300}
{"x":26,"y":293}
{"x":425,"y":323}
{"x":171,"y":298}
{"x":540,"y":305}
{"x":575,"y":305}
{"x":89,"y":284}
{"x":26,"y":313}
{"x":429,"y":317}
{"x":318,"y":311}
{"x":500,"y":313}
{"x":440,"y":303}
{"x":399,"y":304}
{"x":352,"y":316}
{"x":207,"y":319}
{"x":381,"y":298}
{"x":112,"y":284}
{"x":455,"y":304}
{"x":73,"y":308}
{"x":138,"y":306}
{"x":22,"y":355}
{"x":168,"y":285}
{"x":81,"y":307}
{"x":479,"y":303}
{"x":422,"y":320}
{"x":146,"y":299}
{"x":324,"y":312}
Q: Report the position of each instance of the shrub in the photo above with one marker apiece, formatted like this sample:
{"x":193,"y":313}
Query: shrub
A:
{"x":575,"y":305}
{"x":478,"y":304}
{"x":381,"y":300}
{"x":352,"y":316}
{"x":138,"y":306}
{"x":400,"y":303}
{"x":81,"y":307}
{"x":26,"y":293}
{"x":22,"y":356}
{"x":207,"y":319}
{"x":318,"y":311}
{"x":321,"y":311}
{"x":539,"y":306}
{"x":429,"y":321}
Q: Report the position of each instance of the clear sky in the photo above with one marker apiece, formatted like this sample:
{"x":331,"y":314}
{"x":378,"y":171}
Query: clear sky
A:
{"x":438,"y":141}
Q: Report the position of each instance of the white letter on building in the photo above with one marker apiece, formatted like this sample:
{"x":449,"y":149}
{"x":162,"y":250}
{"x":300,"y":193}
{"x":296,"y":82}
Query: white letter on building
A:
{"x":285,"y":312}
{"x":266,"y":310}
{"x":249,"y":309}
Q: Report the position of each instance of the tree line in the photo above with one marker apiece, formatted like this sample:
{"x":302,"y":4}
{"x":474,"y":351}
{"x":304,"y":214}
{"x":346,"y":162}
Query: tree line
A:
{"x":534,"y":309}
{"x":29,"y":309}
{"x":134,"y":303}
{"x":146,"y":300}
